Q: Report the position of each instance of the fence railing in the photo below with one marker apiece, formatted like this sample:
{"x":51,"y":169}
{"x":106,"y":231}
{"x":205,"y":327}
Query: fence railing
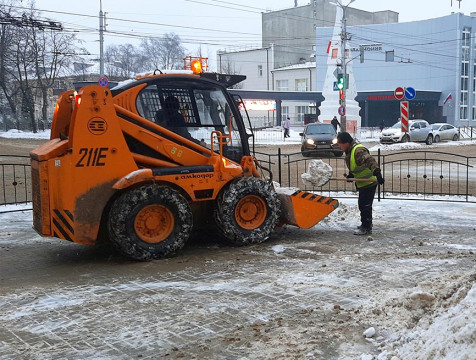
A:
{"x":422,"y":173}
{"x":15,"y":179}
{"x":410,"y":173}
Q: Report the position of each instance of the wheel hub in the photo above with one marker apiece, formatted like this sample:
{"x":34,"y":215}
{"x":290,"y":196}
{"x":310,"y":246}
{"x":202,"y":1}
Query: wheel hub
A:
{"x":250,"y":212}
{"x":154,"y":223}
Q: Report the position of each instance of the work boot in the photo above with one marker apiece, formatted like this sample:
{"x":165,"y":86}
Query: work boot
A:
{"x":362,"y":231}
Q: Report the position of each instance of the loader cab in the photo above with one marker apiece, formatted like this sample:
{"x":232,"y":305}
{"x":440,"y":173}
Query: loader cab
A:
{"x":192,"y":107}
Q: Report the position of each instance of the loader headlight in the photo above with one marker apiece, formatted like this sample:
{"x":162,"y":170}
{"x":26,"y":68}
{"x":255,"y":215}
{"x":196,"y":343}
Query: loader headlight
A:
{"x":310,"y":141}
{"x":334,"y":141}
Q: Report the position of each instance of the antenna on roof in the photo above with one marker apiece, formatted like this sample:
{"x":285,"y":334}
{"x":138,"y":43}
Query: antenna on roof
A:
{"x":295,"y":3}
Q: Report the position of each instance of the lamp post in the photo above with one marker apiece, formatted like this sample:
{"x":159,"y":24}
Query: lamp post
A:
{"x":101,"y":40}
{"x":344,"y":38}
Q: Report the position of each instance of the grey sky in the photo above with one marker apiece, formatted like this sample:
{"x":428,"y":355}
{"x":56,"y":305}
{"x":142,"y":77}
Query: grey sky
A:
{"x":213,"y":23}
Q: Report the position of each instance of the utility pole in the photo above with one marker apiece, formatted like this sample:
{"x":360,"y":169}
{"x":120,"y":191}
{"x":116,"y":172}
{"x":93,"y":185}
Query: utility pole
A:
{"x":101,"y":40}
{"x":344,"y":37}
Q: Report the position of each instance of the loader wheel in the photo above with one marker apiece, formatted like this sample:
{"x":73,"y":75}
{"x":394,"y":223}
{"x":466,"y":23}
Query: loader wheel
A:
{"x":150,"y":222}
{"x":247,"y":211}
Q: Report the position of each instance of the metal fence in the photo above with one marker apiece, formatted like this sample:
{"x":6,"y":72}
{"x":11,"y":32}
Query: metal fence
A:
{"x":15,"y":180}
{"x":429,"y":175}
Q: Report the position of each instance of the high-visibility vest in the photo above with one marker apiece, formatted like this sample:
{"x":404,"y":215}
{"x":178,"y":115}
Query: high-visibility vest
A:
{"x":360,"y":172}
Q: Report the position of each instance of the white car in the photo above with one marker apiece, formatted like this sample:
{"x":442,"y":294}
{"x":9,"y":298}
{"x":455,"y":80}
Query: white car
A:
{"x":418,"y":130}
{"x":444,"y":131}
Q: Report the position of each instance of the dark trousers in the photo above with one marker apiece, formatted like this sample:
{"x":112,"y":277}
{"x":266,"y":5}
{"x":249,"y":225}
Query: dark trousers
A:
{"x":366,"y":199}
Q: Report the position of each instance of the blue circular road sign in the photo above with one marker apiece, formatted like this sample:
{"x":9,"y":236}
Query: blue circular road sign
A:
{"x":410,"y":93}
{"x":341,"y":110}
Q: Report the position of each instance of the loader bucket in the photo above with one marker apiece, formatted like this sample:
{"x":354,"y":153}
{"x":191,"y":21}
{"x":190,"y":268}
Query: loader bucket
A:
{"x":304,"y":209}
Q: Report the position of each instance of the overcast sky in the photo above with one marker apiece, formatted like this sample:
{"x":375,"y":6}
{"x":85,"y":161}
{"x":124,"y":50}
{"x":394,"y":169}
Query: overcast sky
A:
{"x":213,"y":23}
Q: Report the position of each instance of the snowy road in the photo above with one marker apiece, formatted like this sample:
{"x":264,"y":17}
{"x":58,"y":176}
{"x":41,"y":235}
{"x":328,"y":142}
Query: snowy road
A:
{"x":303,"y":294}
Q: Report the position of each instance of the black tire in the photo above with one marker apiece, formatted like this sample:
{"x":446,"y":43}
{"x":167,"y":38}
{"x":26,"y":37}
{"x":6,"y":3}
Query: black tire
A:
{"x":150,"y":222}
{"x":455,"y":137}
{"x":305,"y":153}
{"x":436,"y":139}
{"x":263,"y":215}
{"x":429,"y":140}
{"x":405,"y":139}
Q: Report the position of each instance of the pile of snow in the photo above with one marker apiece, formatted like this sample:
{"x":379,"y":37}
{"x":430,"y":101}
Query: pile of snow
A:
{"x":318,"y":174}
{"x":423,"y":146}
{"x":451,"y":335}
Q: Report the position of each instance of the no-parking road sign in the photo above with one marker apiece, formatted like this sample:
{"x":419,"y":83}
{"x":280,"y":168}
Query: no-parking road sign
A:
{"x":341,"y":111}
{"x":103,"y":81}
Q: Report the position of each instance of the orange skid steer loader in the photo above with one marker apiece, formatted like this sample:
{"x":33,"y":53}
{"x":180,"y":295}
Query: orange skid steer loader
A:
{"x":146,"y":163}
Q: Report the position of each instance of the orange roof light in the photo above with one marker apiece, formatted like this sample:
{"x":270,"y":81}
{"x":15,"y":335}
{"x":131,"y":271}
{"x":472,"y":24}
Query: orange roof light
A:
{"x":196,"y":66}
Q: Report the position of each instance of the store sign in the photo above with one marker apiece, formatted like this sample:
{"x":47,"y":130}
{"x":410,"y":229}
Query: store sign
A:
{"x":368,"y":47}
{"x":265,"y":105}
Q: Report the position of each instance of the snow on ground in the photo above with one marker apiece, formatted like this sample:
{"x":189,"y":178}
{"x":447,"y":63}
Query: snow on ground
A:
{"x":18,"y":134}
{"x":449,"y":332}
{"x":275,"y":136}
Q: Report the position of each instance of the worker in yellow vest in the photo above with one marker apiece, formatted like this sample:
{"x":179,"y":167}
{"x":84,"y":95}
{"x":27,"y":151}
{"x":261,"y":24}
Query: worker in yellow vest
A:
{"x":361,"y":165}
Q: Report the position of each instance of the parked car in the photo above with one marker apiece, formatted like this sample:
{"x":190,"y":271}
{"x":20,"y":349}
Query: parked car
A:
{"x":319,"y":138}
{"x":418,"y":131}
{"x":443,"y":131}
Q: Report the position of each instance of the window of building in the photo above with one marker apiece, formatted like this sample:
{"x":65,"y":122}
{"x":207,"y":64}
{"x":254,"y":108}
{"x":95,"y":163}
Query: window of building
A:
{"x":284,"y":112}
{"x":473,"y":113}
{"x":301,"y":84}
{"x":390,"y":56}
{"x":464,"y":83}
{"x":260,"y":70}
{"x":282,"y":85}
{"x":300,"y":111}
{"x":465,"y":52}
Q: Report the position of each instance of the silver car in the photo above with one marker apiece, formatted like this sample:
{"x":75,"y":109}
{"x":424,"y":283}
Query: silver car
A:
{"x":444,"y":131}
{"x":418,"y":131}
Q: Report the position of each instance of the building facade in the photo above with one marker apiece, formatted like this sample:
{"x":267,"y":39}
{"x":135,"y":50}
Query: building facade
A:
{"x":437,"y":57}
{"x":289,"y":48}
{"x":292,"y":31}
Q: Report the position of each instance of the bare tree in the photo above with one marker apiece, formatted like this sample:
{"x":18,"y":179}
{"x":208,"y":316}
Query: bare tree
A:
{"x":53,"y":52}
{"x":33,"y":55}
{"x":9,"y":88}
{"x":23,"y":71}
{"x":123,"y":60}
{"x":229,"y":67}
{"x":164,"y":53}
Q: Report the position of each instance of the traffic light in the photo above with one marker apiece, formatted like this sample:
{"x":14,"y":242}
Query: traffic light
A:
{"x":340,"y":81}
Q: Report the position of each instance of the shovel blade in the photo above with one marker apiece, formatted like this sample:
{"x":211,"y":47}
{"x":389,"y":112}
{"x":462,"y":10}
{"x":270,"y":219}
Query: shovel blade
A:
{"x":304,"y":210}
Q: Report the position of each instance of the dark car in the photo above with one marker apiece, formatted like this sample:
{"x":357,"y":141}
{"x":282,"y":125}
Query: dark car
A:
{"x":319,"y":139}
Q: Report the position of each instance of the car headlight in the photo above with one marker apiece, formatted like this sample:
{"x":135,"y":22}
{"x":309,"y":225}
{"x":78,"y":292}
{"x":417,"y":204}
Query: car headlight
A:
{"x":310,"y":141}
